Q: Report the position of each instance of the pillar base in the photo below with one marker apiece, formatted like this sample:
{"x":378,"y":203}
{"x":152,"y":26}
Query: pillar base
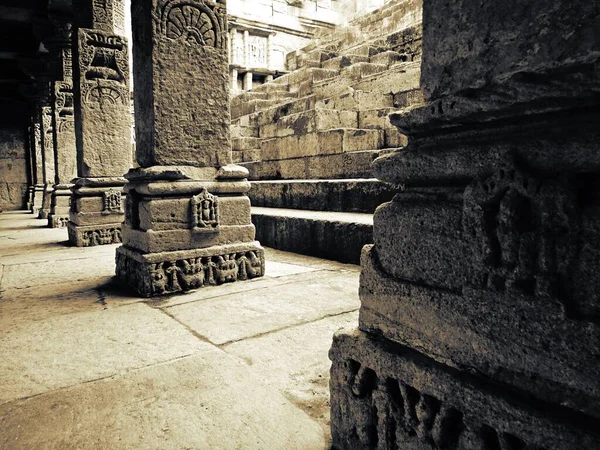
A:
{"x":61,"y":200}
{"x":38,"y":199}
{"x":96,"y":211}
{"x":388,"y":396}
{"x":170,"y":272}
{"x":92,"y":235}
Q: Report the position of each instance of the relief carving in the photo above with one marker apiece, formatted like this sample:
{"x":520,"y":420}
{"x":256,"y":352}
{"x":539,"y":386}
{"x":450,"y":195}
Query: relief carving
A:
{"x":103,"y":236}
{"x":112,"y":200}
{"x":104,"y":69}
{"x":63,"y":106}
{"x":205,"y":211}
{"x":511,"y":223}
{"x":194,"y":22}
{"x":192,"y":273}
{"x":387,"y":413}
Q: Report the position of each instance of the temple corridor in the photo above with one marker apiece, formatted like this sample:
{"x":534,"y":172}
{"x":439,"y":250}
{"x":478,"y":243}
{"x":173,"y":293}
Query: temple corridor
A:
{"x":88,"y":364}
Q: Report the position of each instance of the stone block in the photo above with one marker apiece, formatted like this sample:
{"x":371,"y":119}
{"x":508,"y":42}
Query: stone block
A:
{"x":176,"y":213}
{"x":309,"y":122}
{"x":339,"y":62}
{"x":390,"y":397}
{"x":245,"y":143}
{"x":168,"y":272}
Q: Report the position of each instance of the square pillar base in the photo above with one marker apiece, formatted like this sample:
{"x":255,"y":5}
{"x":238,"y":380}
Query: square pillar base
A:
{"x":388,"y":396}
{"x":187,"y":227}
{"x":170,"y":272}
{"x":38,"y":199}
{"x":46,"y":208}
{"x":96,"y":211}
{"x":59,"y":213}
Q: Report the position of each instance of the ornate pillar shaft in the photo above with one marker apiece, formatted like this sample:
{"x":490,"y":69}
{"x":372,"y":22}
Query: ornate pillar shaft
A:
{"x":37,"y":167}
{"x":187,"y":220}
{"x":48,"y":157}
{"x":479,"y":325}
{"x":62,"y":121}
{"x":103,"y":123}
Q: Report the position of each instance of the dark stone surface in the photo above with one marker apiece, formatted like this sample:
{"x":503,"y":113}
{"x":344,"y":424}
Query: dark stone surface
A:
{"x":469,"y":45}
{"x":181,"y":67}
{"x":391,"y":397}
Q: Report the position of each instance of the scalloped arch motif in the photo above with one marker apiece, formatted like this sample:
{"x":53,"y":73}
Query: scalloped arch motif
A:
{"x":191,"y":22}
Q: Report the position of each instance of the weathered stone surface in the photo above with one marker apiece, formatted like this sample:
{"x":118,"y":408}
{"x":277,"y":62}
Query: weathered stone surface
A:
{"x":104,"y":15}
{"x":180,"y":56}
{"x":102,"y":103}
{"x":163,"y":273}
{"x":48,"y":159}
{"x":389,"y":397}
{"x":467,"y":47}
{"x":13,"y":167}
{"x":63,"y":124}
{"x":96,"y":234}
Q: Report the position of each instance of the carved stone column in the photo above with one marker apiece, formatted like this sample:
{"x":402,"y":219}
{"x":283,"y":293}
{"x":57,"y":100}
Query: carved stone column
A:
{"x":48,"y":158}
{"x":479,"y":325}
{"x":103,"y":125}
{"x":187,"y":221}
{"x":37,"y":164}
{"x":63,"y":123}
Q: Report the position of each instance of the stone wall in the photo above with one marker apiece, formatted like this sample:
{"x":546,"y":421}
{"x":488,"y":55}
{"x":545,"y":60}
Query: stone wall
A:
{"x":13,"y":164}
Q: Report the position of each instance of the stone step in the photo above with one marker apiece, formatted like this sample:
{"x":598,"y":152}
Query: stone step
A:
{"x":398,"y":78}
{"x":249,"y":155}
{"x":367,"y":50}
{"x":250,"y":107}
{"x":245,"y":143}
{"x":340,"y":62}
{"x":270,"y":87}
{"x":377,"y":119}
{"x":341,"y":140}
{"x":359,"y":100}
{"x":337,"y":166}
{"x":350,"y":195}
{"x":388,"y":58}
{"x":309,"y":122}
{"x":273,"y":114}
{"x":247,"y":96}
{"x":239,"y":131}
{"x":311,"y":75}
{"x":332,"y":235}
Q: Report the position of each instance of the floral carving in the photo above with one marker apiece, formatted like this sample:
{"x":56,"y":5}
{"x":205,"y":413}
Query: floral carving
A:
{"x":192,"y":22}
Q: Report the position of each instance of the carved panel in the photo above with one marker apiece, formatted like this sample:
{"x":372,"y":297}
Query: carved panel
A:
{"x":194,"y":22}
{"x":205,"y":211}
{"x":190,"y":273}
{"x":521,"y":229}
{"x":104,"y":69}
{"x":63,"y":106}
{"x":387,"y":413}
{"x":112,"y":200}
{"x":258,"y":51}
{"x":102,"y":236}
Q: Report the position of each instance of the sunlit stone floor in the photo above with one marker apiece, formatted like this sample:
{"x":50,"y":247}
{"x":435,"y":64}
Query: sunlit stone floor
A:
{"x":85,"y":364}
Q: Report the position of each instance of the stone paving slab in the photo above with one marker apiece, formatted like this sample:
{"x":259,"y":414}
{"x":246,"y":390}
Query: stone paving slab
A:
{"x":69,"y":349}
{"x":245,"y":314}
{"x":296,"y":362}
{"x":207,"y":401}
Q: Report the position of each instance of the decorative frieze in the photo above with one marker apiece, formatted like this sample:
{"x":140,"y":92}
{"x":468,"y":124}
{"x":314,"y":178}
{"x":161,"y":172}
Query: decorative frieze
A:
{"x":112,"y":200}
{"x":201,"y":268}
{"x":90,"y":236}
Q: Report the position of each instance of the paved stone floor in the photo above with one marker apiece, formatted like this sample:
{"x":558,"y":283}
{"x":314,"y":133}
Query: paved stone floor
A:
{"x":85,"y":364}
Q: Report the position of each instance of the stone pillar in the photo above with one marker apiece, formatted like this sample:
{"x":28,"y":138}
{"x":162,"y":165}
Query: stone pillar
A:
{"x":62,"y":123}
{"x":234,"y":80}
{"x":248,"y":81}
{"x":479,"y":324}
{"x":187,"y":218}
{"x":103,"y":127}
{"x":246,"y":48}
{"x":48,"y":159}
{"x":38,"y":164}
{"x":270,"y":52}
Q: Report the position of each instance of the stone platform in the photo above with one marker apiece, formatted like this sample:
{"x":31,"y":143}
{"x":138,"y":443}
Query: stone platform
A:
{"x":86,"y":365}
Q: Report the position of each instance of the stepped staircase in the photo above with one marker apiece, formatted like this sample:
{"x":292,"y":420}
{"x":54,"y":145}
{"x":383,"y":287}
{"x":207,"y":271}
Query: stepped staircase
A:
{"x":308,"y":138}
